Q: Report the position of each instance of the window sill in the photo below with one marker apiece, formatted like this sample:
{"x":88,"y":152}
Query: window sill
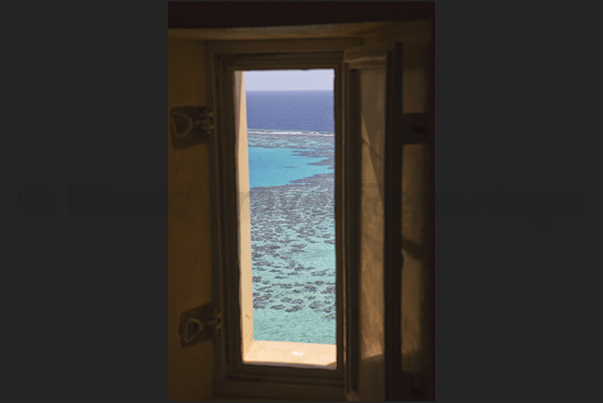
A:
{"x":300,"y":355}
{"x":239,"y":399}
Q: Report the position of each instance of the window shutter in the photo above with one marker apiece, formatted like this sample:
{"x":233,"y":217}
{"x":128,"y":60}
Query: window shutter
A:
{"x":374,"y":133}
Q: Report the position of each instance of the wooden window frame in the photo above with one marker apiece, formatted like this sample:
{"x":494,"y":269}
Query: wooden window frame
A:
{"x":232,"y":376}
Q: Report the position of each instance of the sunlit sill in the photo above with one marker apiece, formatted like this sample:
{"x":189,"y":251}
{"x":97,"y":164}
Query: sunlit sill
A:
{"x":288,"y":354}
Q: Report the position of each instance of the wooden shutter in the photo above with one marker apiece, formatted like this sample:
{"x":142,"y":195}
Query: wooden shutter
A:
{"x":374,"y":131}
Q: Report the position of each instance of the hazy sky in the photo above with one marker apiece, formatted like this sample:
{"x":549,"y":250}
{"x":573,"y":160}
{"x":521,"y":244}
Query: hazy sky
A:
{"x":281,"y":80}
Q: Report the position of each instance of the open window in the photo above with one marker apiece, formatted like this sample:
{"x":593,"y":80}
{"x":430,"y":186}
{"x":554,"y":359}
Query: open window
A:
{"x":366,"y":361}
{"x":287,"y":187}
{"x":304,"y":369}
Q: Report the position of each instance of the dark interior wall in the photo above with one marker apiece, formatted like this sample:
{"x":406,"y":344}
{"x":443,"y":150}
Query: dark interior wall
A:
{"x":190,"y":372}
{"x":265,"y":14}
{"x":430,"y":358}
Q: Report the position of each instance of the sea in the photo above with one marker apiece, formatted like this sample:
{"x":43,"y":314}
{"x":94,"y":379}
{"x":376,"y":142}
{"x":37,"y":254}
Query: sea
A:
{"x":291,"y":166}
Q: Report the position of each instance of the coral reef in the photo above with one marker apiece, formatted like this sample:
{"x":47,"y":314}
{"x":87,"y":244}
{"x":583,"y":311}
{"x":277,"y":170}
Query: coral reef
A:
{"x":293,"y":233}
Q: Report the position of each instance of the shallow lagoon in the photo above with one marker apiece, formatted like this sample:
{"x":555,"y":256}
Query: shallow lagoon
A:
{"x":280,"y":166}
{"x":293,"y":235}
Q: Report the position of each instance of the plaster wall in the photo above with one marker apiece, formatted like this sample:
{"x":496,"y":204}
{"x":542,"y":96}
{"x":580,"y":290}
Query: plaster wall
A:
{"x":189,"y":244}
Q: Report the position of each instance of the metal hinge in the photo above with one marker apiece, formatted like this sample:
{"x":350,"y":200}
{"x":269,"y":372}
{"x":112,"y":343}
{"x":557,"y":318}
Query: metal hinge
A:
{"x":191,"y":125}
{"x":199,"y":324}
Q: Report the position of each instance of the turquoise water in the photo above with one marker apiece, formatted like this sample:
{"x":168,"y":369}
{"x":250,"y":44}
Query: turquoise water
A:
{"x":292,"y":165}
{"x":293,"y":235}
{"x":280,"y":166}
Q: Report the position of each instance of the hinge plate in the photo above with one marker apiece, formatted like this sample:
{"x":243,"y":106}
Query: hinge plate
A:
{"x":199,"y":324}
{"x":191,"y":125}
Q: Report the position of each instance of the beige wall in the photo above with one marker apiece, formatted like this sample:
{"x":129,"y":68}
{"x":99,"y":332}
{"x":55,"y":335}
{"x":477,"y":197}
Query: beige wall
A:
{"x":189,"y":253}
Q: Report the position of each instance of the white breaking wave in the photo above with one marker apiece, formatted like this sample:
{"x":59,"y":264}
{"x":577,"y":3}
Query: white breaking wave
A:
{"x":290,"y":132}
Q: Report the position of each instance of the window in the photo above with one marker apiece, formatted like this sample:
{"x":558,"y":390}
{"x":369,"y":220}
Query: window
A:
{"x":307,"y":364}
{"x":291,"y":176}
{"x":368,"y":141}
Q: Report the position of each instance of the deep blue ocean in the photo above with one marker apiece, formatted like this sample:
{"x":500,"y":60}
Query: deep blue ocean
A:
{"x":291,"y":110}
{"x":292,"y":113}
{"x":291,"y":165}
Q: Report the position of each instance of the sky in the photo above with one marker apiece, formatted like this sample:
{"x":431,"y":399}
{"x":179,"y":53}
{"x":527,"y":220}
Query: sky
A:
{"x":289,"y":80}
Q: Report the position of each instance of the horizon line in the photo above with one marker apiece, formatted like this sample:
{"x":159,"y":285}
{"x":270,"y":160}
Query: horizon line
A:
{"x":285,"y":90}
